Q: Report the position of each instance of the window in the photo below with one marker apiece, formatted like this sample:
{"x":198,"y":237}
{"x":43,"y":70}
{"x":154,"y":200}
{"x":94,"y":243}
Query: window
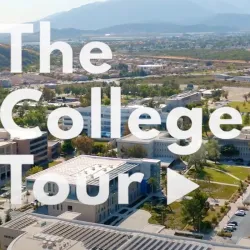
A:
{"x":70,"y":208}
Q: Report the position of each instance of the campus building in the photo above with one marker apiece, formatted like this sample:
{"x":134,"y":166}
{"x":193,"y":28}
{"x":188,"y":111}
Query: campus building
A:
{"x":94,"y":167}
{"x":34,"y":231}
{"x":241,"y":143}
{"x":182,"y":100}
{"x":156,"y":148}
{"x":37,"y":147}
{"x":6,"y":148}
{"x":106,"y":119}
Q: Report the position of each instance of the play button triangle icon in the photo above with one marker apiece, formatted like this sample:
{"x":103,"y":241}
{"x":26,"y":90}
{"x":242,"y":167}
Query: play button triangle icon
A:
{"x":178,"y":186}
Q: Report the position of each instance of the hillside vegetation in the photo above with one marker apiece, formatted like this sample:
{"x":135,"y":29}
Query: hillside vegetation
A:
{"x":29,"y":57}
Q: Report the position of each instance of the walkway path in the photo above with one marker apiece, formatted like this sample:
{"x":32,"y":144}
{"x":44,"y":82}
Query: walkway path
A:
{"x":215,"y":182}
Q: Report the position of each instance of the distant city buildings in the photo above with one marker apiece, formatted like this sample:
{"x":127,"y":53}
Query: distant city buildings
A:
{"x":94,"y":167}
{"x":182,"y":100}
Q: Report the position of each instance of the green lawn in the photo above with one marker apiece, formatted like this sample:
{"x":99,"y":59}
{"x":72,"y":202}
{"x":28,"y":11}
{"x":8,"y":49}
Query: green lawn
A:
{"x":239,"y":172}
{"x":244,"y":107}
{"x":213,"y":175}
{"x":217,"y":191}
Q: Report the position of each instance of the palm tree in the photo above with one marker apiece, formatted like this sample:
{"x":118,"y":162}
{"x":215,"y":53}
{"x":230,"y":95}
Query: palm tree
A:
{"x":245,"y":96}
{"x":153,"y":184}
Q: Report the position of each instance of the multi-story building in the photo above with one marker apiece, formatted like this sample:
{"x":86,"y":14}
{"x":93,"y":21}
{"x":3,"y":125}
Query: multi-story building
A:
{"x":94,"y":167}
{"x":156,"y":148}
{"x":6,"y":148}
{"x":182,"y":100}
{"x":34,"y":231}
{"x":54,"y":149}
{"x":37,"y":147}
{"x":241,"y":143}
{"x":106,"y":119}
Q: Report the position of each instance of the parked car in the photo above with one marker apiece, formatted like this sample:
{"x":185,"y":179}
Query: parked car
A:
{"x":228,"y":229}
{"x":243,"y":211}
{"x":240,"y":213}
{"x":234,"y":223}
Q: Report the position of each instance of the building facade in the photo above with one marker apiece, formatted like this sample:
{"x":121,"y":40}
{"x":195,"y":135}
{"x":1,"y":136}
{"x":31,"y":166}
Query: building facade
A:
{"x":156,"y":148}
{"x":37,"y":147}
{"x":106,"y":119}
{"x":182,"y":100}
{"x":93,"y":167}
{"x":241,"y":143}
{"x":6,"y":148}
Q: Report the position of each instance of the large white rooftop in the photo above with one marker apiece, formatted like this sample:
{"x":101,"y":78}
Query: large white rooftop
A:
{"x":91,"y":166}
{"x":45,"y":232}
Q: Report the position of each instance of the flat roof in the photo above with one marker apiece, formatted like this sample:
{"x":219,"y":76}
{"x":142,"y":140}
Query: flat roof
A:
{"x":92,"y":166}
{"x":74,"y":235}
{"x":183,"y":95}
{"x":163,"y":135}
{"x":5,"y":143}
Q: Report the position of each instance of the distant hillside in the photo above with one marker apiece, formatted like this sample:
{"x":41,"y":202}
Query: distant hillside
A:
{"x":125,"y":29}
{"x":163,"y":28}
{"x":29,"y":57}
{"x":100,"y":15}
{"x":239,"y":21}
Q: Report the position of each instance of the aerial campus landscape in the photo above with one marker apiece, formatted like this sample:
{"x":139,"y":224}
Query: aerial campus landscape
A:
{"x":189,"y":54}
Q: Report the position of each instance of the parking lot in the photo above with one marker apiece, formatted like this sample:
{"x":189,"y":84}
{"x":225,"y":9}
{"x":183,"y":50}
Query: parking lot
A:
{"x":243,"y":229}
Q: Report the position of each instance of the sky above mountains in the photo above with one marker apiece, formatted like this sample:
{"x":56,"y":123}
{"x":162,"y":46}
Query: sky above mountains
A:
{"x":18,"y":11}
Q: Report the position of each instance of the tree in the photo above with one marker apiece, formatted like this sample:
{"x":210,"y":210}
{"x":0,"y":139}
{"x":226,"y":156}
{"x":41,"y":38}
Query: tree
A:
{"x":136,"y":151}
{"x":34,"y":170}
{"x":225,"y":94}
{"x":229,"y":150}
{"x":213,"y":150}
{"x":126,"y":130}
{"x":67,"y":147}
{"x":84,"y":102}
{"x":195,"y":210}
{"x":205,"y":119}
{"x":48,"y":94}
{"x":245,"y":96}
{"x":153,"y":184}
{"x":7,"y":217}
{"x":83,"y":144}
{"x":198,"y":159}
{"x":246,"y":119}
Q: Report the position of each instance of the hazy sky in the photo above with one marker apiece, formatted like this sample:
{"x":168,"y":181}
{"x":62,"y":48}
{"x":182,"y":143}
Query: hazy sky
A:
{"x":18,"y":11}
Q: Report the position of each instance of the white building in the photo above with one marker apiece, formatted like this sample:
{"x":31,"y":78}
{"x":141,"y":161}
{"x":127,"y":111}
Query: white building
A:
{"x":156,"y":148}
{"x":35,"y":232}
{"x":182,"y":100}
{"x":93,"y":167}
{"x":106,"y":119}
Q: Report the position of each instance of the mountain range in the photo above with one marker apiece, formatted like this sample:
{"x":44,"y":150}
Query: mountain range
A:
{"x":99,"y":15}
